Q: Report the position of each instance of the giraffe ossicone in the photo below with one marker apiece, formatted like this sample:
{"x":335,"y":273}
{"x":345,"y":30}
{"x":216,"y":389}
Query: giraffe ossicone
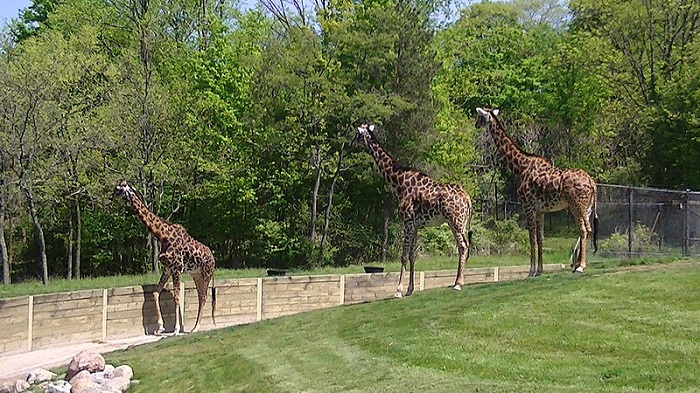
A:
{"x":543,"y":188}
{"x":180,"y":253}
{"x":422,"y":202}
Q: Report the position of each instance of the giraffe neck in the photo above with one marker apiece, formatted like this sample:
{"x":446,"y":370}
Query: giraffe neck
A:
{"x":516,"y":159}
{"x":386,"y":164}
{"x":154,"y":223}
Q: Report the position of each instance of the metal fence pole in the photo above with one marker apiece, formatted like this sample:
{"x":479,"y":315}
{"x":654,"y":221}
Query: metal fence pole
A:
{"x":686,"y":222}
{"x":630,"y":220}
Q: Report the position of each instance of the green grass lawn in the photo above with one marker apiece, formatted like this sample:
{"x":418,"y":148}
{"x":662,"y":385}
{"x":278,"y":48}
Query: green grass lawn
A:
{"x":627,"y":331}
{"x":556,"y":250}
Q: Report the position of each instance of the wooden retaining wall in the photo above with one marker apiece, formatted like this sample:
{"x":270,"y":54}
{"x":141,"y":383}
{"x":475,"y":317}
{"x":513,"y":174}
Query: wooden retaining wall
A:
{"x":33,"y":322}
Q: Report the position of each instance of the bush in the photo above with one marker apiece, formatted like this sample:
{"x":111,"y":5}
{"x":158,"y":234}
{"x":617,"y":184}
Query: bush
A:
{"x":644,"y":241}
{"x":490,"y":237}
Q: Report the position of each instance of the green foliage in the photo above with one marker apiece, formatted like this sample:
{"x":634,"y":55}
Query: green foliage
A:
{"x":501,"y":237}
{"x":238,"y":125}
{"x":643,"y":242}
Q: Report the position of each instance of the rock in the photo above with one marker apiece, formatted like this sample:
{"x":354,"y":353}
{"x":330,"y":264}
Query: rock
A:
{"x":82,"y":374}
{"x":124,"y":371}
{"x":109,"y":371}
{"x":21,"y":386}
{"x":40,"y":375}
{"x":7,"y":387}
{"x":85,"y":360}
{"x":117,"y":384}
{"x":85,"y":385}
{"x":58,"y":387}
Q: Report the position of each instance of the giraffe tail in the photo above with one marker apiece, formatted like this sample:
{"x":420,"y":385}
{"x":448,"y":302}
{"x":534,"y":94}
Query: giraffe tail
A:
{"x":469,"y":243}
{"x":213,"y":300}
{"x":595,"y":221}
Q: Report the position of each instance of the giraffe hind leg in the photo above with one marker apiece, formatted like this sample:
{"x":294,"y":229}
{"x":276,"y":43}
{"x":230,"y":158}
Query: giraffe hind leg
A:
{"x":463,"y":252}
{"x":201,"y":283}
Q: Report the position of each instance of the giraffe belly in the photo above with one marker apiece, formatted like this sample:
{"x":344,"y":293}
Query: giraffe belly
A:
{"x":435,"y":221}
{"x":554,"y":206}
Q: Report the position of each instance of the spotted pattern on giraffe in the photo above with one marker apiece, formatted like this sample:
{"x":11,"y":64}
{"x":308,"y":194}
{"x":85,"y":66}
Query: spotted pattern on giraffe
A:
{"x":180,"y":254}
{"x":422,"y":202}
{"x":544,"y":188}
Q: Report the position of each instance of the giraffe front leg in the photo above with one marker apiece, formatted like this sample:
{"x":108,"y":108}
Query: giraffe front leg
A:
{"x":532,"y":231}
{"x":405,"y":254}
{"x":156,"y":296}
{"x":412,"y":261}
{"x":540,"y":240}
{"x":176,"y":299}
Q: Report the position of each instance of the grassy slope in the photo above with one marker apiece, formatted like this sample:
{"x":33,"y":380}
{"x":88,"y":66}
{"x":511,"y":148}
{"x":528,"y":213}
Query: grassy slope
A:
{"x":599,"y":332}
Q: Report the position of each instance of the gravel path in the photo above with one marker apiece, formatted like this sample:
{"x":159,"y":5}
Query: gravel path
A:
{"x":13,"y":367}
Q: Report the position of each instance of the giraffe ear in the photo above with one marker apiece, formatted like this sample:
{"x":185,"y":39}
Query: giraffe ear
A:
{"x":480,"y":111}
{"x":496,"y":112}
{"x":371,"y":127}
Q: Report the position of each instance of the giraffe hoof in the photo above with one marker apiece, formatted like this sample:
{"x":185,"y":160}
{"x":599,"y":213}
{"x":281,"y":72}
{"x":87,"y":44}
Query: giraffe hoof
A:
{"x":578,"y":270}
{"x":159,"y":331}
{"x":457,"y":287}
{"x":398,"y":295}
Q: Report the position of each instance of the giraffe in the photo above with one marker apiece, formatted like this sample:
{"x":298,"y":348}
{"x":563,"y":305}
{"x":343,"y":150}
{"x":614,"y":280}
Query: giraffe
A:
{"x":422,"y":202}
{"x":545,"y":188}
{"x":180,"y":254}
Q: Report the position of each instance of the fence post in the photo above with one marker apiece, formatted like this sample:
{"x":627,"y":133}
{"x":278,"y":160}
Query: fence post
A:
{"x":630,"y":218}
{"x":342,"y":289}
{"x":495,"y":274}
{"x":104,"y":314}
{"x":686,"y":222}
{"x":30,"y":322}
{"x":259,"y":299}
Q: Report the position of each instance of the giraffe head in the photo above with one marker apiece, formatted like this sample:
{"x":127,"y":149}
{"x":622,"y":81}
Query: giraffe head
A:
{"x":364,"y":133}
{"x":123,"y":189}
{"x":484,"y":116}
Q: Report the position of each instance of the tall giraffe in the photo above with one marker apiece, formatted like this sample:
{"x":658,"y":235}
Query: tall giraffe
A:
{"x":422,"y":202}
{"x":181,"y":253}
{"x":545,"y":188}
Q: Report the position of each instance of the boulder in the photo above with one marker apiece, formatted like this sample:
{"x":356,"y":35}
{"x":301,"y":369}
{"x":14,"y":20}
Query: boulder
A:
{"x":109,"y":371}
{"x":117,"y":384}
{"x":7,"y":387}
{"x":82,"y":374}
{"x":85,"y":385}
{"x":21,"y":386}
{"x":58,"y":387}
{"x":39,"y":375}
{"x":85,"y":360}
{"x":124,"y":371}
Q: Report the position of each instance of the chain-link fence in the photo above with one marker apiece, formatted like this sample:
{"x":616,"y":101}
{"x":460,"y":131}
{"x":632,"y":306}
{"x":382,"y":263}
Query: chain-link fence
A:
{"x":632,"y":221}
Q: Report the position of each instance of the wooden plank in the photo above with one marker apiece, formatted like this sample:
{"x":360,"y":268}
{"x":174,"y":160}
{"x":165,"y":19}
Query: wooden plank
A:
{"x":67,"y":296}
{"x":13,"y":302}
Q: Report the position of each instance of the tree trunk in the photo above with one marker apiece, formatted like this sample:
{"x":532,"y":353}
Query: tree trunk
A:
{"x":155,"y":251}
{"x":4,"y":255}
{"x":326,"y":216}
{"x":385,"y":235}
{"x":39,"y":233}
{"x":69,"y":265}
{"x":78,"y":237}
{"x":314,"y":197}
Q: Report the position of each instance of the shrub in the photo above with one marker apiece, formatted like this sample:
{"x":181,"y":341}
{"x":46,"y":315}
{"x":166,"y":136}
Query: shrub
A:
{"x":644,"y":241}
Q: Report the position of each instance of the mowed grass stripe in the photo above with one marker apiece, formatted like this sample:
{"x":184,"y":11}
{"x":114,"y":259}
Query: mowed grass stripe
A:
{"x":629,"y":331}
